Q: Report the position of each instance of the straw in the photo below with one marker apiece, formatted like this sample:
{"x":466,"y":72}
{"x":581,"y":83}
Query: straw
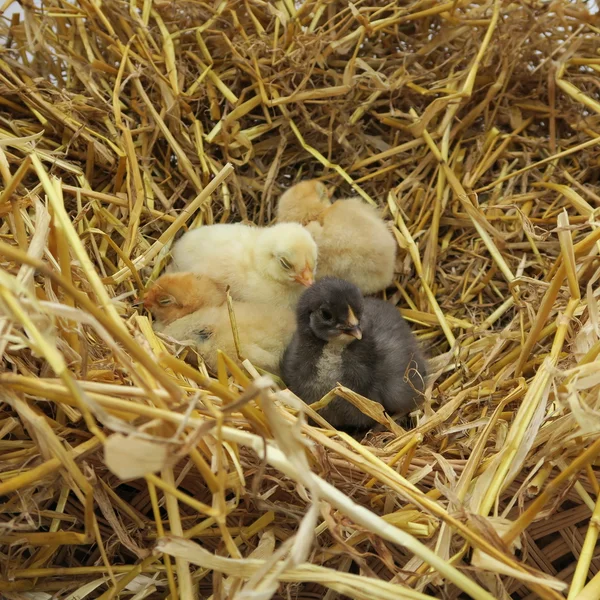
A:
{"x":127,"y":472}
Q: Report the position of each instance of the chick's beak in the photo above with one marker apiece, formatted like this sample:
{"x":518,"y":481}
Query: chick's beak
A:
{"x":354,"y":332}
{"x":352,"y":325}
{"x":306,"y":277}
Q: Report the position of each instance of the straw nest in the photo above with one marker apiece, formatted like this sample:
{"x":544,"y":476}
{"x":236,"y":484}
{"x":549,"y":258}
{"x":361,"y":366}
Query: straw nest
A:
{"x":124,"y":472}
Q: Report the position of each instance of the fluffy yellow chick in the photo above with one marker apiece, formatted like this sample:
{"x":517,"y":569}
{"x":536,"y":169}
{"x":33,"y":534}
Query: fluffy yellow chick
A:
{"x":260,"y":264}
{"x":175,"y":295}
{"x":353,"y":240}
{"x":192,"y":309}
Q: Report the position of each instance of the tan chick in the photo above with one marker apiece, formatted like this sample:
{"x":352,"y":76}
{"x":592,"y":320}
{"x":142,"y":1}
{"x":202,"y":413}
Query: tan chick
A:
{"x":354,"y":242}
{"x":192,"y":309}
{"x":175,"y":295}
{"x":302,"y":203}
{"x":260,"y":264}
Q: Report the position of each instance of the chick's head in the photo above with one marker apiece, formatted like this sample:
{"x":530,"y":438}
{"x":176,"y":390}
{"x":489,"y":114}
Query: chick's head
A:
{"x":331,"y":310}
{"x":287,"y":253}
{"x":303,"y":202}
{"x":178,"y":294}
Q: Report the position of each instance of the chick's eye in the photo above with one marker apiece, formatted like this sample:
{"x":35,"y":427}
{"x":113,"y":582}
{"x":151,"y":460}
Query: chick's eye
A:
{"x":165,"y":301}
{"x":203,"y":334}
{"x":285,"y":264}
{"x":326,"y":315}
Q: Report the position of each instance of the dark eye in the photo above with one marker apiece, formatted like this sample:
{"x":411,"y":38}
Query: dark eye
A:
{"x":285,"y":264}
{"x":165,"y":301}
{"x":203,"y":334}
{"x":326,"y":315}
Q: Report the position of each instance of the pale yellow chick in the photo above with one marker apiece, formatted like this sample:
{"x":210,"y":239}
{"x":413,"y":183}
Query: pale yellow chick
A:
{"x":260,"y":264}
{"x":354,"y":242}
{"x":202,"y":321}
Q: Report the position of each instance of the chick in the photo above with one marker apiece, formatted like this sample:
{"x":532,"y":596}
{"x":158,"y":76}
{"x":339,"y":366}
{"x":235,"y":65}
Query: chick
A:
{"x":175,"y":295}
{"x":354,"y":242}
{"x":192,"y":308}
{"x":264,"y":331}
{"x":268,"y":264}
{"x":304,"y":202}
{"x":361,"y":343}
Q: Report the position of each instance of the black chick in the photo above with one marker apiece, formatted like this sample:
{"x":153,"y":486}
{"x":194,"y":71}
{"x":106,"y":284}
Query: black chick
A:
{"x":362,"y":343}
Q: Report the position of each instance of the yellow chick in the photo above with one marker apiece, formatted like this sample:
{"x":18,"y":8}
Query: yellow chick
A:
{"x":354,"y":242}
{"x":260,"y":264}
{"x":192,"y":309}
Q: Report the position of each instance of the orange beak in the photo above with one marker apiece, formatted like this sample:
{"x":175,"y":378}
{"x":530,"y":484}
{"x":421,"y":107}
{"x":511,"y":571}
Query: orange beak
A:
{"x":306,"y":277}
{"x":146,"y":302}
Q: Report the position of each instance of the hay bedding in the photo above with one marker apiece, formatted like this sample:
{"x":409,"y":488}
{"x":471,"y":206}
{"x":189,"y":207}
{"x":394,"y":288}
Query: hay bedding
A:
{"x":474,"y":124}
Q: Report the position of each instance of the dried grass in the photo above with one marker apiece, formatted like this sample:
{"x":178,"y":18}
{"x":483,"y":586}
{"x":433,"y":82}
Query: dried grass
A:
{"x":475,"y":124}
